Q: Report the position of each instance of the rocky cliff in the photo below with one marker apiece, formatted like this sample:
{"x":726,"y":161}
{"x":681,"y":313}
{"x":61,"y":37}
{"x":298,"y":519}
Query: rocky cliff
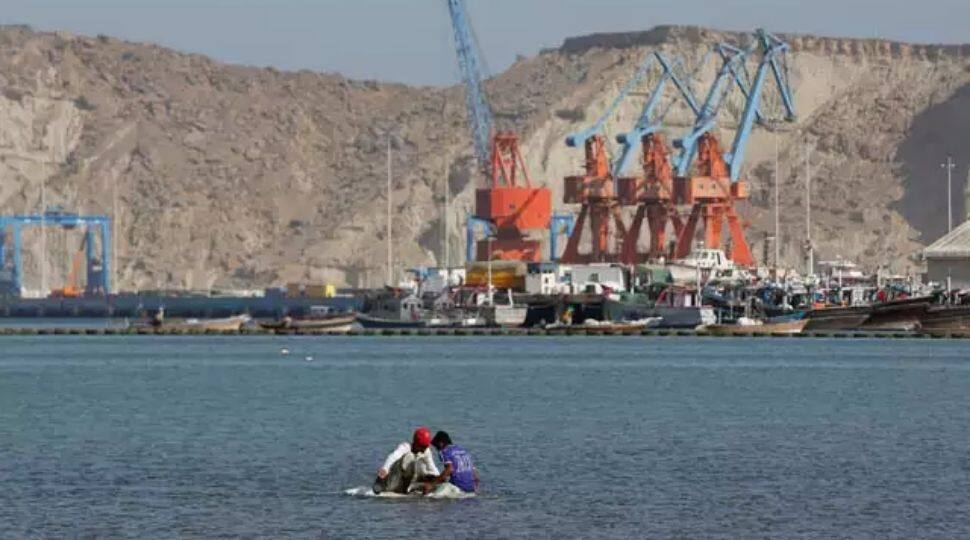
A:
{"x":228,"y":176}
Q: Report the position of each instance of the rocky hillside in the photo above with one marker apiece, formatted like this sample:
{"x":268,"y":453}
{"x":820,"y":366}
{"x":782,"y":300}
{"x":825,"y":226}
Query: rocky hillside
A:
{"x":228,"y":176}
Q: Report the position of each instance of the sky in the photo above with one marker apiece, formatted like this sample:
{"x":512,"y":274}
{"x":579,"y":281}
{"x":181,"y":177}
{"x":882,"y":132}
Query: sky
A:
{"x":410,"y":40}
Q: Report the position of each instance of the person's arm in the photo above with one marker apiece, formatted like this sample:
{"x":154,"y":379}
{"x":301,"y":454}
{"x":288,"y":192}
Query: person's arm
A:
{"x":440,"y":479}
{"x":475,"y":476}
{"x":397,"y":454}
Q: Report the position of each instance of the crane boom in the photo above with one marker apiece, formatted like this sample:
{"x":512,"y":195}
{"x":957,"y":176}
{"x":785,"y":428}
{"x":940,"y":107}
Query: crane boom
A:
{"x":772,"y":48}
{"x":476,"y":102}
{"x":647,"y":123}
{"x":731,"y":57}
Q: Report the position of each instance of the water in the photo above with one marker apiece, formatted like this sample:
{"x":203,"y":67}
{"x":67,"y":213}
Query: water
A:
{"x":147,"y":436}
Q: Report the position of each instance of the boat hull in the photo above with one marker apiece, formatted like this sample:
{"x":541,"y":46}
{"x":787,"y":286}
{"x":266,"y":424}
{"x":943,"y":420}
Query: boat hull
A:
{"x":228,"y":324}
{"x":946,"y":319}
{"x":791,"y":327}
{"x":838,"y":318}
{"x":671,"y":316}
{"x":901,"y":315}
{"x":377,"y":323}
{"x":339,"y":324}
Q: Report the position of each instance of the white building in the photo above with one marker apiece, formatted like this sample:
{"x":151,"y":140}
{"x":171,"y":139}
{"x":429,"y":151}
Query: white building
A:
{"x":948,"y":259}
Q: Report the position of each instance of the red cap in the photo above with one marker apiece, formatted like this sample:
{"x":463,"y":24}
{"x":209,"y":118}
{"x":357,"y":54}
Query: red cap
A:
{"x":422,"y":437}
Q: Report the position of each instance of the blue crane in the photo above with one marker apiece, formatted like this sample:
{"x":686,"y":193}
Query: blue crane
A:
{"x":706,"y":118}
{"x":647,"y":124}
{"x":733,"y":67}
{"x":772,"y":49}
{"x":579,"y":138}
{"x":479,"y":113}
{"x":98,"y":282}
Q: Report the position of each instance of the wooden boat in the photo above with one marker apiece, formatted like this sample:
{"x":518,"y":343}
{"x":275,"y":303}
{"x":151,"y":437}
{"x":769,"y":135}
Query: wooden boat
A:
{"x":900,"y":315}
{"x":336,"y":324}
{"x":837,"y":318}
{"x":946,"y":319}
{"x":226,"y":324}
{"x":764,"y":329}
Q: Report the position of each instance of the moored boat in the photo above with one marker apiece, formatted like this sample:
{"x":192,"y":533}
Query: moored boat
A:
{"x":757,"y":329}
{"x":225,"y":324}
{"x":332,"y":324}
{"x":837,"y":318}
{"x":901,"y":315}
{"x":946,"y":319}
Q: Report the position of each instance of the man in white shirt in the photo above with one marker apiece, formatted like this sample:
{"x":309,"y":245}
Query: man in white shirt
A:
{"x":409,"y":466}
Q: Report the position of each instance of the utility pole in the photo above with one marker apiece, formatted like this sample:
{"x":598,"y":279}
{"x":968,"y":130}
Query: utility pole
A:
{"x":949,"y":165}
{"x":390,"y":271}
{"x":808,"y":213}
{"x":777,"y":224}
{"x":446,"y":220}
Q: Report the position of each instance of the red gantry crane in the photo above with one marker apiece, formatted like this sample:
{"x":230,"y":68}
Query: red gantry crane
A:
{"x":651,"y":193}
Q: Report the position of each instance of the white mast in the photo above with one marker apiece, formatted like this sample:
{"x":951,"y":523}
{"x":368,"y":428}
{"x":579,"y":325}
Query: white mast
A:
{"x":446,"y":220}
{"x":808,"y":213}
{"x":390,"y":272}
{"x":777,"y":227}
{"x":949,"y":192}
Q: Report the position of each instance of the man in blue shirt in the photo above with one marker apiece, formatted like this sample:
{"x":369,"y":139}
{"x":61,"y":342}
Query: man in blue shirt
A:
{"x":458,"y":467}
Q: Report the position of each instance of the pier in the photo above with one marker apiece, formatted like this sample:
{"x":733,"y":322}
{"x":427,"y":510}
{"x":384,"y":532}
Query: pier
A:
{"x":459,"y":332}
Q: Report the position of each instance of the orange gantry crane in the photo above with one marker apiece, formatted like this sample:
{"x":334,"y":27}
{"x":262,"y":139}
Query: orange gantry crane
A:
{"x":715,"y":184}
{"x":594,"y":190}
{"x":509,"y":205}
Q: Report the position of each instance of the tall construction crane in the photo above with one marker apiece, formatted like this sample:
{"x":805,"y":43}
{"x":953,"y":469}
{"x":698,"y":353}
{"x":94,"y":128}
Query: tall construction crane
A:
{"x":716,"y":183}
{"x":509,"y":203}
{"x":651,"y":193}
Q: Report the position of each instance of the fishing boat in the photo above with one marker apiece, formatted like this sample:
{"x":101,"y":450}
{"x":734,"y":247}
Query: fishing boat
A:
{"x":330,"y":323}
{"x":837,"y":318}
{"x":225,"y":324}
{"x":758,"y":328}
{"x":676,"y":307}
{"x":900,"y":315}
{"x":946,"y":319}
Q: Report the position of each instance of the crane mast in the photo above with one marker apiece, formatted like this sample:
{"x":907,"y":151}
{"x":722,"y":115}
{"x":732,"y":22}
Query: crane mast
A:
{"x":507,"y":205}
{"x":476,"y":102}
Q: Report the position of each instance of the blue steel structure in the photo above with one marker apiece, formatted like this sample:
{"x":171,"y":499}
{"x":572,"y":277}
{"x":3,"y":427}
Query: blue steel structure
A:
{"x":472,"y":223}
{"x":647,"y":123}
{"x":559,"y":224}
{"x":733,"y":66}
{"x":772,"y":48}
{"x":479,"y":113}
{"x":706,"y":118}
{"x":98,"y":280}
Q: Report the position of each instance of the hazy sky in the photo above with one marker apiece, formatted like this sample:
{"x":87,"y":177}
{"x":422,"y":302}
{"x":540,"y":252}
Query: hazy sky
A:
{"x":410,"y":40}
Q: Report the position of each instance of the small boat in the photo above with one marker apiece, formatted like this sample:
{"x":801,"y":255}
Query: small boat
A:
{"x":225,"y":324}
{"x":336,"y":324}
{"x":370,"y":321}
{"x":757,"y":328}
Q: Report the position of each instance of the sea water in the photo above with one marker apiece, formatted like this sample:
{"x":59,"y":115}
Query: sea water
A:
{"x":163,"y":436}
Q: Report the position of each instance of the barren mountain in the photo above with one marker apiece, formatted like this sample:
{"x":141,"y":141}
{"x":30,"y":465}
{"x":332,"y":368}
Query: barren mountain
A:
{"x":229,"y":176}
